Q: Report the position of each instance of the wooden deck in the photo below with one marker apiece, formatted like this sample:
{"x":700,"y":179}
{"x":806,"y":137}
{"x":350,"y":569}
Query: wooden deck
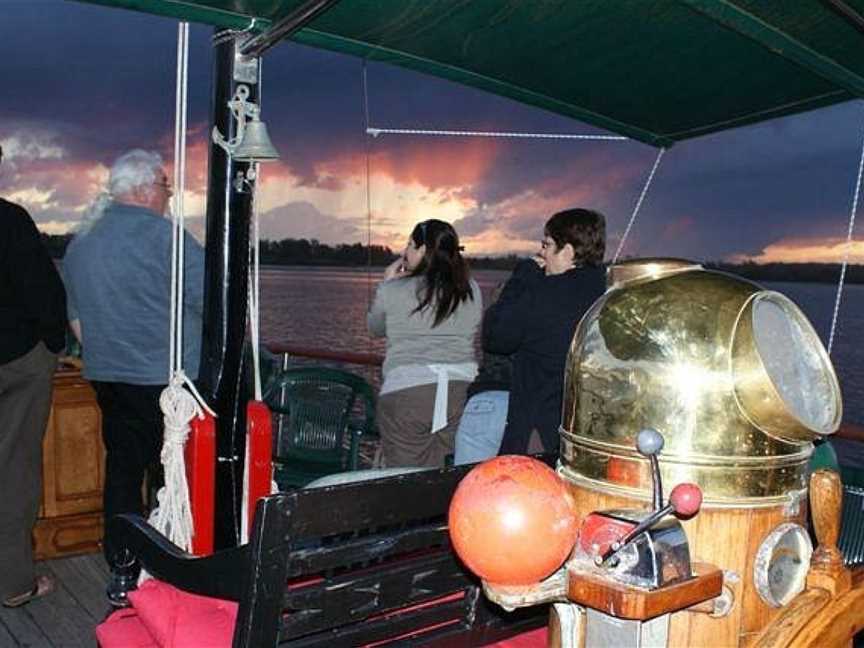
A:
{"x":68,"y":616}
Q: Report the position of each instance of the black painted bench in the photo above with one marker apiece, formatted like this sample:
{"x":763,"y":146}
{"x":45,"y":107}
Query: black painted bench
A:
{"x":343,"y":566}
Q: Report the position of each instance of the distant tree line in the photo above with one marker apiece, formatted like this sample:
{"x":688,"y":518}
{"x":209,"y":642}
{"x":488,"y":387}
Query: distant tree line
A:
{"x":311,"y":252}
{"x":806,"y":272}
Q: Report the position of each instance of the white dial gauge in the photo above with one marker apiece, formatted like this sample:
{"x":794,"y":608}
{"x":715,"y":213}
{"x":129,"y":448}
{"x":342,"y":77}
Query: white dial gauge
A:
{"x":782,"y":561}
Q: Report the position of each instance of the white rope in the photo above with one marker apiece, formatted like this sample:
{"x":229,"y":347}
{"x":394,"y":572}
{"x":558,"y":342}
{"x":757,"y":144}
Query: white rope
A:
{"x":254,"y":333}
{"x":846,"y":252}
{"x":375,"y":132}
{"x":173,"y":514}
{"x":254,"y":285}
{"x":179,"y":211}
{"x":638,"y":205}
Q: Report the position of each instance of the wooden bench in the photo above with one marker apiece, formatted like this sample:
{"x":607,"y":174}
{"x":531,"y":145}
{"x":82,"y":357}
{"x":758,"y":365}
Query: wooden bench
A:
{"x":343,"y":565}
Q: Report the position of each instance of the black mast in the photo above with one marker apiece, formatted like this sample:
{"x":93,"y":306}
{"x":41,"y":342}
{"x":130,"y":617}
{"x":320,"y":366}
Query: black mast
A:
{"x":224,"y":375}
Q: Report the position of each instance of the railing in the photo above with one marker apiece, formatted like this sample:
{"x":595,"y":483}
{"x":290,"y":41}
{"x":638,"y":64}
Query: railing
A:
{"x":367,"y":359}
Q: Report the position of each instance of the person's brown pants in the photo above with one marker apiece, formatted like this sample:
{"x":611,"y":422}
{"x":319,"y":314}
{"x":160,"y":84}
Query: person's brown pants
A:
{"x":25,"y":401}
{"x":405,"y":419}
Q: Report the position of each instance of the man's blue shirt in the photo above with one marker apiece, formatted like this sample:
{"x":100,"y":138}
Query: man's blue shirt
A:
{"x":118,"y":280}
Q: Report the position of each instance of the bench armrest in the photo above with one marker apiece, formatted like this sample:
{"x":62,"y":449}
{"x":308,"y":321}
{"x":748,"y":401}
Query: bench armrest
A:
{"x":220,"y":575}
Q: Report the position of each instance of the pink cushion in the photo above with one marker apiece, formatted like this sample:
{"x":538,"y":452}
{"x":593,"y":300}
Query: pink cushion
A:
{"x":123,"y":629}
{"x":177,"y":619}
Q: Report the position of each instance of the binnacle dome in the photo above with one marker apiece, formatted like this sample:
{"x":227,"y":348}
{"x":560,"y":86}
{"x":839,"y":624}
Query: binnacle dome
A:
{"x":733,"y":376}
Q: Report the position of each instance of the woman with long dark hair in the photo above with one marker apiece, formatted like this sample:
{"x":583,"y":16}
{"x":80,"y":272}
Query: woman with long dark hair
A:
{"x":429,"y":309}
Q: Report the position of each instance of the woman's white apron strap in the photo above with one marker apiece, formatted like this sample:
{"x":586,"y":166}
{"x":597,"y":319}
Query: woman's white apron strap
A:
{"x":443,"y":373}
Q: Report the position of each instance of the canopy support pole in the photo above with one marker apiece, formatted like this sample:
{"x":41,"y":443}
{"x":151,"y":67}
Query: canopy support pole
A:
{"x":296,"y":20}
{"x":223,"y":375}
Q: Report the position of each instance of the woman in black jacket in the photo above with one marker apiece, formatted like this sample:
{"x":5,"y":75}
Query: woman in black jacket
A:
{"x":535,"y":318}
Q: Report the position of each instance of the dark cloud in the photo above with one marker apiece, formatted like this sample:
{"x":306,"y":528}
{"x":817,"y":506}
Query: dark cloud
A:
{"x":96,"y":82}
{"x":304,"y":220}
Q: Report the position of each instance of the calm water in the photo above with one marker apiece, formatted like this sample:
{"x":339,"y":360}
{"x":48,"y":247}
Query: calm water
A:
{"x":326,"y":309}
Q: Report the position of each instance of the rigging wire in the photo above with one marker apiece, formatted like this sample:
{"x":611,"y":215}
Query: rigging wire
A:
{"x":846,"y":252}
{"x":375,"y":132}
{"x":368,"y":191}
{"x":638,"y":205}
{"x":254,"y":292}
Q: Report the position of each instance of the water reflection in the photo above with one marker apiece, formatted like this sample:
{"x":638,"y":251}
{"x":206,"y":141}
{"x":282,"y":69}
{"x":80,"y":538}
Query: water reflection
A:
{"x":326,"y":309}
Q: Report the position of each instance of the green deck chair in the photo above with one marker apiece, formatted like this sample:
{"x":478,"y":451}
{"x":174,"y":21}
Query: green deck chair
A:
{"x":851,"y":540}
{"x":316,"y":427}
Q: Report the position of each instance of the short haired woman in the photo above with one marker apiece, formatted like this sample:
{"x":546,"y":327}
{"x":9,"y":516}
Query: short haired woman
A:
{"x":429,"y":309}
{"x":535,"y":318}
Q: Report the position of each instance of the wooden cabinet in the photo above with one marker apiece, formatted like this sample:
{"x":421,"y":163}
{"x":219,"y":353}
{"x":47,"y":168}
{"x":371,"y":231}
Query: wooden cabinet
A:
{"x":73,"y":471}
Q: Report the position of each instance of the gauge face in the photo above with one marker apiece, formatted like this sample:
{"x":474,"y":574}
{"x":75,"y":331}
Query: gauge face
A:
{"x":795,"y":361}
{"x":781,"y":564}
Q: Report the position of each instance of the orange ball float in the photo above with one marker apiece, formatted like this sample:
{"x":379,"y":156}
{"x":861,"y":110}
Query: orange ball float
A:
{"x":512,"y":521}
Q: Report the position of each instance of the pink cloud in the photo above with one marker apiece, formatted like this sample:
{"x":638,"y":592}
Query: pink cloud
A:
{"x":807,"y":250}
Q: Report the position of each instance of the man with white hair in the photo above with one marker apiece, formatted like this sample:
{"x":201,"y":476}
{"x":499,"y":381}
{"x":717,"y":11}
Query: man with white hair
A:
{"x":118,"y":273}
{"x":32,"y":332}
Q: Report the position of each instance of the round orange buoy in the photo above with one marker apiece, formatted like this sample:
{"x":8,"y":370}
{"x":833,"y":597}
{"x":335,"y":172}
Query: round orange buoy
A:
{"x":511,"y":521}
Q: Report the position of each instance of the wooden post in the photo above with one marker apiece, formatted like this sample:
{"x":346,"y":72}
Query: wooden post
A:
{"x":826,"y":566}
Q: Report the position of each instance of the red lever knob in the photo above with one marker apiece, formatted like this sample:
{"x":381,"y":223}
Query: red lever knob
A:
{"x":686,"y":499}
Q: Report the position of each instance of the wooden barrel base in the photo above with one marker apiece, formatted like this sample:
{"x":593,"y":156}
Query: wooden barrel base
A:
{"x":68,"y":535}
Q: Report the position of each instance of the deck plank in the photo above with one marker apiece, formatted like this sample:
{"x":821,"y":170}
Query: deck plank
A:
{"x":85,"y":581}
{"x":25,"y":631}
{"x":6,"y":638}
{"x":68,"y":616}
{"x":60,"y":616}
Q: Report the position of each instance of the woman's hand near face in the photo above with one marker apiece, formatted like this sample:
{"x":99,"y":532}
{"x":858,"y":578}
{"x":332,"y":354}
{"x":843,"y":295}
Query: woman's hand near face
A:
{"x":395,"y":269}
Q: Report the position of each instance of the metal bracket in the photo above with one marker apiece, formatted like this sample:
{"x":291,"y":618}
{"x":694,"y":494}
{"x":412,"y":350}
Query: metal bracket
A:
{"x":793,"y":506}
{"x":246,"y":68}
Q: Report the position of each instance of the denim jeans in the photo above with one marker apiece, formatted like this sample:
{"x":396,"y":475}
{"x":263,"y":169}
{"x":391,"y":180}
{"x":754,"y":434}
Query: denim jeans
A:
{"x":481,"y":427}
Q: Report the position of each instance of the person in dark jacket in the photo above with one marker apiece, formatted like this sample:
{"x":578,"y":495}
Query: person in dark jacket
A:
{"x":32,"y":333}
{"x":535,"y":318}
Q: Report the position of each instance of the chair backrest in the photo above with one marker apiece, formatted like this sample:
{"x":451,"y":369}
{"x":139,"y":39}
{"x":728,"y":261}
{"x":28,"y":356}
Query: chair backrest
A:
{"x":362,"y":563}
{"x":313,"y":408}
{"x":851,"y":541}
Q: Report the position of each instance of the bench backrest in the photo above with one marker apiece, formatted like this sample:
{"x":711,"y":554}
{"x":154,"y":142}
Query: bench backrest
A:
{"x":365,"y":563}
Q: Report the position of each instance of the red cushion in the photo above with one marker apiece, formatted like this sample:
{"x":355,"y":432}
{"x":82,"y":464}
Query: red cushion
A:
{"x":533,"y":639}
{"x":123,"y":629}
{"x":177,"y":619}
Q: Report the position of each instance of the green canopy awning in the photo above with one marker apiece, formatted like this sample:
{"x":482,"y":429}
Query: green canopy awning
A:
{"x":659,"y":71}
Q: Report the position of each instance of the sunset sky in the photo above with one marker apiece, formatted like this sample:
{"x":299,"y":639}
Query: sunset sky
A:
{"x":82,"y":84}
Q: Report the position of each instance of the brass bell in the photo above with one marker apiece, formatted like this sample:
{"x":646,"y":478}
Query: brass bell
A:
{"x":256,"y":145}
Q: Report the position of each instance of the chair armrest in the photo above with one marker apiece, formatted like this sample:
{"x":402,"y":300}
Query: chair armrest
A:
{"x":220,"y":575}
